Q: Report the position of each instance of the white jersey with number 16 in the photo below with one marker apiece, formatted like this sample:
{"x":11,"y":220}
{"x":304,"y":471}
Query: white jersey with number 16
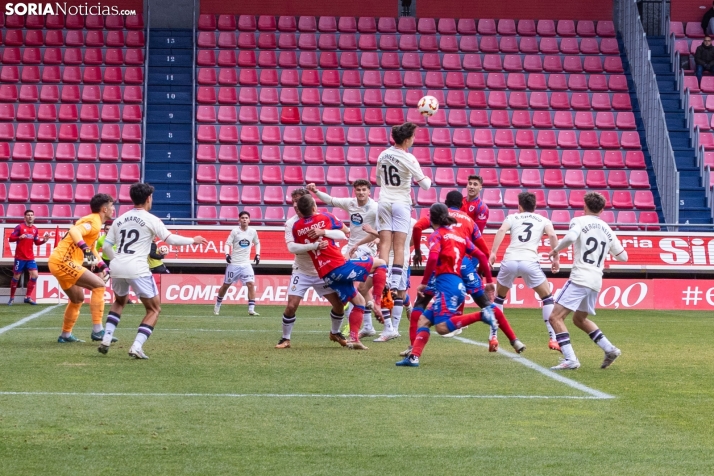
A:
{"x":133,"y":233}
{"x":396,"y":169}
{"x":595,"y":240}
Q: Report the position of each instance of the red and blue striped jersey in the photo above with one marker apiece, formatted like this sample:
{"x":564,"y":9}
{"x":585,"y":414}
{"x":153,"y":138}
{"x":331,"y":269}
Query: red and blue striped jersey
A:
{"x":329,"y":258}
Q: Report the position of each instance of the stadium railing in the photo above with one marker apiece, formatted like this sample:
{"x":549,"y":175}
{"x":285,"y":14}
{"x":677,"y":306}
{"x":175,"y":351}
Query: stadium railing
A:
{"x":627,"y":22}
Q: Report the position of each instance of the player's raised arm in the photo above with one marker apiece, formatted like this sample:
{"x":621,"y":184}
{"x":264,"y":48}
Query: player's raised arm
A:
{"x":418,"y":176}
{"x":500,"y":235}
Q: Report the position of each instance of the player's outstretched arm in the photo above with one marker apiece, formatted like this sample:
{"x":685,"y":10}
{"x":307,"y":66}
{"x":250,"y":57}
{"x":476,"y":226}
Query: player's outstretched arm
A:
{"x":618,"y":251}
{"x":500,"y":235}
{"x":567,"y":240}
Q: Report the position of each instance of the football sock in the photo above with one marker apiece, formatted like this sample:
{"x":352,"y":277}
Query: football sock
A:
{"x":565,"y":347}
{"x":348,"y":308}
{"x":71,"y":313}
{"x":112,"y":323}
{"x":219,"y":301}
{"x":499,"y":302}
{"x":407,"y":300}
{"x":336,"y":321}
{"x":422,"y":337}
{"x":30,"y":287}
{"x":96,"y":307}
{"x":395,"y":276}
{"x":600,"y":339}
{"x":457,"y":322}
{"x":397,"y":313}
{"x":379,"y":280}
{"x":504,"y":325}
{"x":356,"y":317}
{"x":547,"y":310}
{"x":143,"y":334}
{"x":13,"y":288}
{"x":251,"y":305}
{"x":367,"y":319}
{"x":413,"y":323}
{"x":288,"y":323}
{"x":388,"y":327}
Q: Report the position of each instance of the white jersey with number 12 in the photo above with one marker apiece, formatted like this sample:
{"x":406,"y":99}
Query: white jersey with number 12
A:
{"x":133,"y":233}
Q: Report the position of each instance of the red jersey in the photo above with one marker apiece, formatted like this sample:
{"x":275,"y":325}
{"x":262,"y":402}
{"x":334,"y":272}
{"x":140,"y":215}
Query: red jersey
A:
{"x":477,"y":210}
{"x":451,"y":247}
{"x":464,"y":226}
{"x":26,"y":238}
{"x":327,"y":259}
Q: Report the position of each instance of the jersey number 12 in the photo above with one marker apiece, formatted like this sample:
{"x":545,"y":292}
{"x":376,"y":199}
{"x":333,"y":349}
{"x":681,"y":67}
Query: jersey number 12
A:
{"x":132,"y":236}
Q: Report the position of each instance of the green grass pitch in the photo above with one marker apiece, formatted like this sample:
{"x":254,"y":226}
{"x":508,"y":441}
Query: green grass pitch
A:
{"x":215,"y":397}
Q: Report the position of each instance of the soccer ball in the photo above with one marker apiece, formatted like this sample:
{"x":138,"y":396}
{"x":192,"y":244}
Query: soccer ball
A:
{"x":428,"y":105}
{"x":163,"y":250}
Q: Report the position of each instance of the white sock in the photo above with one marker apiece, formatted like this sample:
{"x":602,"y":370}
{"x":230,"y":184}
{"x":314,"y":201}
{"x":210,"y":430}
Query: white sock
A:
{"x":288,"y":323}
{"x":397,"y":314}
{"x":548,"y":306}
{"x":349,"y":308}
{"x":336,"y":322}
{"x":600,"y":339}
{"x":96,"y":328}
{"x":388,"y":328}
{"x":65,"y":334}
{"x":251,"y":306}
{"x":565,"y":347}
{"x":367,"y":320}
{"x":142,"y":335}
{"x":219,"y":301}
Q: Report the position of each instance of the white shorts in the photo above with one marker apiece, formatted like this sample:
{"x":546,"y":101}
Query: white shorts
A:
{"x":144,"y":287}
{"x":575,"y":297}
{"x":530,"y":271}
{"x":360,"y":252}
{"x":394,"y":216}
{"x":300,"y":283}
{"x":239,"y":272}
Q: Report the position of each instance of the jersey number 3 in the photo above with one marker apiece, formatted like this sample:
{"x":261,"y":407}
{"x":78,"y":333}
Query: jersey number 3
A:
{"x":132,"y":236}
{"x":526,"y":235}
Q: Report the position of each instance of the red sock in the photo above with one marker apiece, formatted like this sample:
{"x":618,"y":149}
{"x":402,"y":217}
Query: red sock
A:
{"x":413,"y":321}
{"x":13,"y":287}
{"x":421,"y":339}
{"x":465,"y":319}
{"x":379,"y":280}
{"x":503,"y":324}
{"x":355,"y":320}
{"x":30,"y":287}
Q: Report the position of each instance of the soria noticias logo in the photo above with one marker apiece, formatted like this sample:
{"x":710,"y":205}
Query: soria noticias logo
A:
{"x":58,"y":8}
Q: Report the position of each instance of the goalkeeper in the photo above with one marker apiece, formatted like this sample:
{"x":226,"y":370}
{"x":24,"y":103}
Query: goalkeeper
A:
{"x":156,"y":259}
{"x":75,"y":260}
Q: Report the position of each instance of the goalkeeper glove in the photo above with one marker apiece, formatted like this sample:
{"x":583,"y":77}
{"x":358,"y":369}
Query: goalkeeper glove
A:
{"x":228,"y":259}
{"x":257,"y":260}
{"x":89,"y":259}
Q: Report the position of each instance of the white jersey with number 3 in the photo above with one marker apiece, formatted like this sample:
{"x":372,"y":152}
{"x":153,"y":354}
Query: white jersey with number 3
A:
{"x":595,"y":240}
{"x":526,"y":233}
{"x":133,"y":233}
{"x":395,"y":171}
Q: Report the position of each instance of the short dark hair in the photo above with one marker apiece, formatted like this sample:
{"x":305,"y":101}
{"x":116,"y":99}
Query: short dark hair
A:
{"x":98,"y":201}
{"x":475,"y":177}
{"x":527,"y":201}
{"x":29,"y":211}
{"x":244,"y":213}
{"x":140,"y":193}
{"x":299,"y":192}
{"x":361,"y":183}
{"x":305,"y":205}
{"x":403,"y":132}
{"x":439,"y":215}
{"x":594,"y":201}
{"x":454,"y":199}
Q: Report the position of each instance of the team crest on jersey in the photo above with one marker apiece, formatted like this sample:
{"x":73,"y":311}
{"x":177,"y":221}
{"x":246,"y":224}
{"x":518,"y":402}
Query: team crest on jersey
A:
{"x":244,"y":243}
{"x":481,"y":216}
{"x":352,"y":275}
{"x":472,"y":208}
{"x":356,"y":219}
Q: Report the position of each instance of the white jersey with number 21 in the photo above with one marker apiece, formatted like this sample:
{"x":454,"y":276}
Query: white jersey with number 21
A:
{"x":595,"y":240}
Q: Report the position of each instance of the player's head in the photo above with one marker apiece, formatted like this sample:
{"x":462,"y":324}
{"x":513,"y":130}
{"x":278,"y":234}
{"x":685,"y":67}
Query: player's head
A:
{"x":474,"y":186}
{"x":526,"y":202}
{"x":102,"y":203}
{"x":594,"y":203}
{"x":306,"y":206}
{"x":297,"y":194}
{"x":403,"y":135}
{"x":107,"y":225}
{"x":362,"y":188}
{"x":244,"y":218}
{"x":142,"y":195}
{"x":439,"y":216}
{"x":454,"y":199}
{"x":29,"y":217}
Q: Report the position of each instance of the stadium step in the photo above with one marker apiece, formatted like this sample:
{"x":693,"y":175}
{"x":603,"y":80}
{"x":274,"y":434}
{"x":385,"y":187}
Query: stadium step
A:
{"x":169,"y":117}
{"x":692,"y":198}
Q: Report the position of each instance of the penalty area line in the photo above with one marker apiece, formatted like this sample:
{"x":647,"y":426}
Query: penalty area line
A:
{"x":28,"y":319}
{"x":594,"y":394}
{"x":296,"y":395}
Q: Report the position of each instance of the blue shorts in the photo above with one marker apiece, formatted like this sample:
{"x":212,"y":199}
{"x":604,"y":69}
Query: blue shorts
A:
{"x":471,"y":278}
{"x":450,"y":295}
{"x":342,"y":279}
{"x":23,"y":264}
{"x":430,"y":289}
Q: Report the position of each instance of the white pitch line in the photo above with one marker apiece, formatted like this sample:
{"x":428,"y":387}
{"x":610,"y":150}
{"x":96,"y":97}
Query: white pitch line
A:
{"x":27,"y":319}
{"x":297,"y":395}
{"x":595,"y":394}
{"x":184,"y":330}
